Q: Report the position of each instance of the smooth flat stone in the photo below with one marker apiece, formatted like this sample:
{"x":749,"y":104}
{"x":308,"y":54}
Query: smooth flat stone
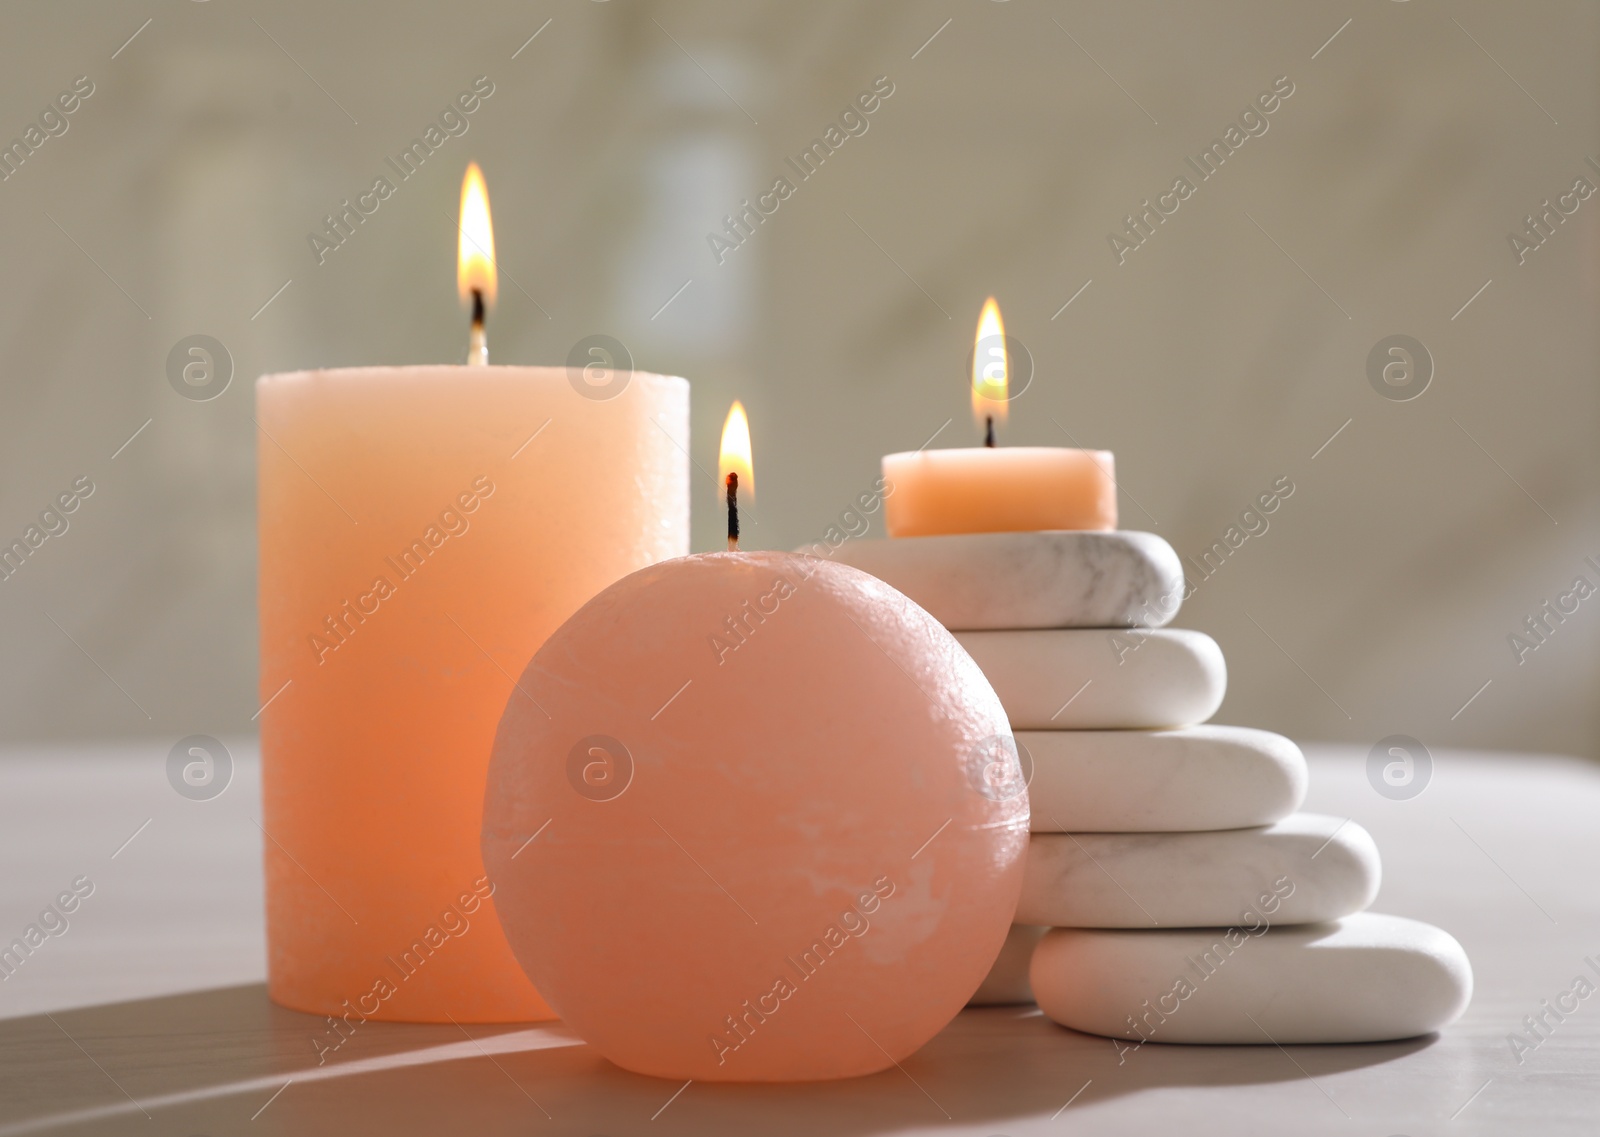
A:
{"x":1305,"y":868}
{"x":1073,"y":678}
{"x":1054,"y":579}
{"x":1007,"y":981}
{"x":1365,"y":978}
{"x":1160,"y":781}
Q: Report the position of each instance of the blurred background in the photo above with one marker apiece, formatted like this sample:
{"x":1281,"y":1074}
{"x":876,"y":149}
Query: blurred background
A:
{"x":1228,"y":350}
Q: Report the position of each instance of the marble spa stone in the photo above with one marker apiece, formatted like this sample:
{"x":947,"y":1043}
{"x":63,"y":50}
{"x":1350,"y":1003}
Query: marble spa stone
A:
{"x":1363,"y":978}
{"x":1053,"y":579}
{"x":1159,"y":781}
{"x":1007,"y":981}
{"x":1101,"y":679}
{"x":1306,"y":868}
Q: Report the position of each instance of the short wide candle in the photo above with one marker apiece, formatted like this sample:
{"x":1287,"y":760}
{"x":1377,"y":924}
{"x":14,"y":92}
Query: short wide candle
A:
{"x":755,"y":817}
{"x":1002,"y":489}
{"x":422,"y":530}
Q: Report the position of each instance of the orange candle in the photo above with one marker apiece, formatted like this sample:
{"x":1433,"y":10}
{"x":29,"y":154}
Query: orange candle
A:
{"x":1001,"y":490}
{"x":422,"y":531}
{"x":991,"y":489}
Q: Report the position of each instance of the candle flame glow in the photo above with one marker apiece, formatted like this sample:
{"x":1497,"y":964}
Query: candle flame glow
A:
{"x":989,"y":366}
{"x":735,"y":457}
{"x":475,"y":271}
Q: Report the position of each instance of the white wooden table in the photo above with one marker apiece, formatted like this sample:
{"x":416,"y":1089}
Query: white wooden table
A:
{"x":152,"y":1001}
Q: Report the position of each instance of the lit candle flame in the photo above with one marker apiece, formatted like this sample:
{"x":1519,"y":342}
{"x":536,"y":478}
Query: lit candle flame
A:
{"x":989,"y":368}
{"x":476,"y":278}
{"x":735,"y":457}
{"x":475,"y":271}
{"x":735,"y":468}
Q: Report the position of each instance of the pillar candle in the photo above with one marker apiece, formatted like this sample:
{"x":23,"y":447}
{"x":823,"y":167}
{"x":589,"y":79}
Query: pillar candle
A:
{"x":422,"y":531}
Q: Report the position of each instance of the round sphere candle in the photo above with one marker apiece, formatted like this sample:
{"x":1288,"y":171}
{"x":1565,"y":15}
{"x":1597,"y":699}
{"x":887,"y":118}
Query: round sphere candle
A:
{"x":422,"y":530}
{"x":755,"y":816}
{"x":993,"y":489}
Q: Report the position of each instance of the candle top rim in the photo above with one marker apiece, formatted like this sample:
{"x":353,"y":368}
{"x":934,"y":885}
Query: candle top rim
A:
{"x":999,"y":450}
{"x":455,"y":371}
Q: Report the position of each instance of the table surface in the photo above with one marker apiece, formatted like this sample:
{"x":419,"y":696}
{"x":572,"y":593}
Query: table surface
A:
{"x":151,"y":1004}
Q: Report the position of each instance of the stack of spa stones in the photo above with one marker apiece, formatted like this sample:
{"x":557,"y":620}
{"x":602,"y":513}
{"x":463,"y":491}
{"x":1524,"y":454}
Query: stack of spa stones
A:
{"x":1172,"y":891}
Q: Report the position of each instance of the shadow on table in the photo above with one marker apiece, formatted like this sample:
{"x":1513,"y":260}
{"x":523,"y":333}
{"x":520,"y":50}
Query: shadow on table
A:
{"x":230,"y":1061}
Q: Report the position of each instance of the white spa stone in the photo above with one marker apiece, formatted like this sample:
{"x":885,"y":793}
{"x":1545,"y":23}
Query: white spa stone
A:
{"x":1053,"y":579}
{"x":1365,"y":978}
{"x":1305,"y":868}
{"x":1007,"y":981}
{"x":1101,"y":679}
{"x":1160,"y":781}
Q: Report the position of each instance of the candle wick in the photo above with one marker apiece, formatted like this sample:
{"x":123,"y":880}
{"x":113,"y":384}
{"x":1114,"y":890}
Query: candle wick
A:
{"x":988,"y":430}
{"x":733,"y":512}
{"x":478,"y":343}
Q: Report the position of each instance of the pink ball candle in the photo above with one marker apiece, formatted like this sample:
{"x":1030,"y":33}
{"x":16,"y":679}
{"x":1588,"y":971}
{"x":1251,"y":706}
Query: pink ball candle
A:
{"x":754,"y":817}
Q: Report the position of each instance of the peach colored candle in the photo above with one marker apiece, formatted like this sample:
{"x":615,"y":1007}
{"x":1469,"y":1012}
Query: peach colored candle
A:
{"x":782,"y":819}
{"x":996,"y":489}
{"x":422,"y":531}
{"x":999,"y":490}
{"x":786,"y":821}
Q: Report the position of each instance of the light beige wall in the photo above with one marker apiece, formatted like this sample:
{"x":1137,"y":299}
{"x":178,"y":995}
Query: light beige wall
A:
{"x":1220,"y":356}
